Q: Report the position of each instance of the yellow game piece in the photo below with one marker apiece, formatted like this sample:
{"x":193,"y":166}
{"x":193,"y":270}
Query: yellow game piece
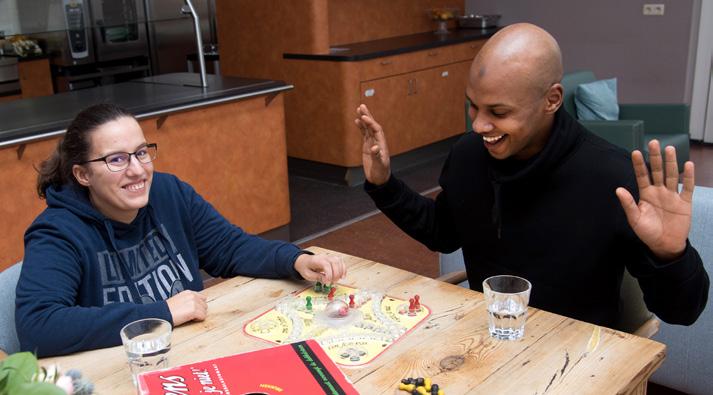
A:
{"x":440,"y":392}
{"x":427,"y":383}
{"x":422,"y":390}
{"x":407,"y":387}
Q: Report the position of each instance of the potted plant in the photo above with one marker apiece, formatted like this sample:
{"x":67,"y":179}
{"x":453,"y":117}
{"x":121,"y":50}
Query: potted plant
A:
{"x":20,"y":373}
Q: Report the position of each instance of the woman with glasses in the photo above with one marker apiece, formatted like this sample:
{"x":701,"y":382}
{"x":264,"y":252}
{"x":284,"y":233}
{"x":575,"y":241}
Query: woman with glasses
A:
{"x":119,"y":242}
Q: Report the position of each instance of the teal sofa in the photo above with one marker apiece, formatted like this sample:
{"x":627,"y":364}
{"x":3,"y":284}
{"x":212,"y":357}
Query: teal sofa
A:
{"x":638,"y":123}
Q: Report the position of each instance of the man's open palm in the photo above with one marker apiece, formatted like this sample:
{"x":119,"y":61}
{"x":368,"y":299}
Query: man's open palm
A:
{"x":375,"y":152}
{"x":662,"y":217}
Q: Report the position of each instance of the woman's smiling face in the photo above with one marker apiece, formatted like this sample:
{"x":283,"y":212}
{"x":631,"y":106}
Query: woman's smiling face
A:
{"x":117,"y":194}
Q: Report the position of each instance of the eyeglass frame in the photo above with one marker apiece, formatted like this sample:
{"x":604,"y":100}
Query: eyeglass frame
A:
{"x":128,"y":162}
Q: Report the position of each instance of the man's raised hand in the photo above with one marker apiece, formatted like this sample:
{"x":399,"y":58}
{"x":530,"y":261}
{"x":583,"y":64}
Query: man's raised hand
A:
{"x":375,"y":152}
{"x":662,"y":218}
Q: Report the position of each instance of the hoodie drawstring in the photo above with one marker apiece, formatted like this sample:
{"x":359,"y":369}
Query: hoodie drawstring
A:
{"x":496,"y":215}
{"x":122,"y":263}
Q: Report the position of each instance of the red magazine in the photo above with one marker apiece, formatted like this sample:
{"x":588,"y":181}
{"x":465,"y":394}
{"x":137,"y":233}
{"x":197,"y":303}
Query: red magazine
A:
{"x":297,"y":368}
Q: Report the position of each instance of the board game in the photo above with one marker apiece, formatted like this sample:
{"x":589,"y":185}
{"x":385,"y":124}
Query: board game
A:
{"x":354,"y":326}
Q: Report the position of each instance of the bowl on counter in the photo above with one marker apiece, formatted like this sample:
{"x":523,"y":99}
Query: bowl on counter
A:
{"x":475,"y":21}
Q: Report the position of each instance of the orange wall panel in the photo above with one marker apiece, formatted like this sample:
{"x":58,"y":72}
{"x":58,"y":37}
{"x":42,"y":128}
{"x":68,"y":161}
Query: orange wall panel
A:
{"x":234,"y":155}
{"x":19,"y":203}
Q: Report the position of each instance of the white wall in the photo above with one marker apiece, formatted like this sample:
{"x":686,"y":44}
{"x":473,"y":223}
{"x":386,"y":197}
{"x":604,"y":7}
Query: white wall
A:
{"x":8,"y":17}
{"x":650,"y":55}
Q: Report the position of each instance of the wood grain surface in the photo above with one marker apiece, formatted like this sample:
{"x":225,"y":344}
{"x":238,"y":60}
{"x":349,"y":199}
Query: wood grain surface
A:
{"x":557,"y":355}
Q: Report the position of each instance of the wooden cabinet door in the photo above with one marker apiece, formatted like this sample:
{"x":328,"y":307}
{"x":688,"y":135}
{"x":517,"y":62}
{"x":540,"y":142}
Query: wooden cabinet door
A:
{"x":393,"y":104}
{"x":419,"y":108}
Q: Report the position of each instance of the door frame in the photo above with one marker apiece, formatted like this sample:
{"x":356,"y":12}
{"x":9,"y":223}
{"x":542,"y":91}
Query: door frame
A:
{"x":701,"y":122}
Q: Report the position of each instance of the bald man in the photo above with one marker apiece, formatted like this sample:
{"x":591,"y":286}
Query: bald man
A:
{"x":532,"y":193}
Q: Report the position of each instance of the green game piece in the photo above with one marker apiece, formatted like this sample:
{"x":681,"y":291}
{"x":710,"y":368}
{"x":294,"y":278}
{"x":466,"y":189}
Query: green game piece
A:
{"x":318,"y":287}
{"x":309,"y":303}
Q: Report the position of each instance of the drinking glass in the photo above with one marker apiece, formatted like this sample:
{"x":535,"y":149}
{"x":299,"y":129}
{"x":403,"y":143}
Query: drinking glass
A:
{"x":147,"y":343}
{"x":506,"y":298}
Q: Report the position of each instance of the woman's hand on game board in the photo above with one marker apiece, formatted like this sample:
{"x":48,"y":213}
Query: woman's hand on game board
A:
{"x":327,"y":269}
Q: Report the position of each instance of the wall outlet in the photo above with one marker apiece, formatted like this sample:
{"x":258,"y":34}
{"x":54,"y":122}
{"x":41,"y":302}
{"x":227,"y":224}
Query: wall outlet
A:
{"x":653,"y":9}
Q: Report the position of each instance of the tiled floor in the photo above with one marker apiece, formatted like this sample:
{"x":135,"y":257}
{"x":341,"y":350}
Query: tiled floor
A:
{"x":345,"y":219}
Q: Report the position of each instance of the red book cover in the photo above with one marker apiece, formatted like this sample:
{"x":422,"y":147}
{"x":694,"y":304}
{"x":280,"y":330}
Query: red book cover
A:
{"x":297,"y":368}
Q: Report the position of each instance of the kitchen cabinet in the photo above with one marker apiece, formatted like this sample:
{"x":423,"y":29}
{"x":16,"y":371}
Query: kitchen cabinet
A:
{"x":339,"y":54}
{"x":418,"y":108}
{"x":421,"y":106}
{"x":418,"y":97}
{"x":31,"y":75}
{"x":35,"y":78}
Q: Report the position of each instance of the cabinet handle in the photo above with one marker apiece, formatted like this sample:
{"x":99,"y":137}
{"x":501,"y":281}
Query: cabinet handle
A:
{"x":412,"y":88}
{"x":385,"y":62}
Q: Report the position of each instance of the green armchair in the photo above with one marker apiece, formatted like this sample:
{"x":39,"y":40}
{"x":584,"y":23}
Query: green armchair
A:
{"x":638,"y":123}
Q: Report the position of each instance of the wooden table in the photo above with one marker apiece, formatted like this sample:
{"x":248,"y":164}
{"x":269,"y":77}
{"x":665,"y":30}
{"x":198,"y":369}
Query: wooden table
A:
{"x":558,"y":355}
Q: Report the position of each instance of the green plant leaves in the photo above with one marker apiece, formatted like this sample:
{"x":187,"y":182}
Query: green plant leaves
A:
{"x":16,"y":372}
{"x":39,"y":389}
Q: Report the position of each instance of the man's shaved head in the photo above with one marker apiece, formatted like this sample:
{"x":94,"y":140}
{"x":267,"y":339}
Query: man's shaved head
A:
{"x":514,"y":90}
{"x":525,"y":52}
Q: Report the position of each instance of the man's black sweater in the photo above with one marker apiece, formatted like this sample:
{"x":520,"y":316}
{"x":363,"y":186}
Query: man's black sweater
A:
{"x":553,"y":219}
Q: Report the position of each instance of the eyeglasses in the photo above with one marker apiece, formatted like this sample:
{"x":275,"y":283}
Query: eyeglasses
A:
{"x":119,"y":161}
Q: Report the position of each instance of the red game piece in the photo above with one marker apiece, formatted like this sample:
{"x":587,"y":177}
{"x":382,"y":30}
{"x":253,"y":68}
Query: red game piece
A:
{"x":411,"y":306}
{"x":331,"y":293}
{"x":351,"y":302}
{"x":417,"y":303}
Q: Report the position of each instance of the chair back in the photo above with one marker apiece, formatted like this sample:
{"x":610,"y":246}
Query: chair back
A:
{"x":570,"y":82}
{"x":633,"y":312}
{"x":689,"y":350}
{"x":8,"y":334}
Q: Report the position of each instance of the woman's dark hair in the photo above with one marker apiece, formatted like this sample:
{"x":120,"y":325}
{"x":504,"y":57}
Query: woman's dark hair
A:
{"x":74,"y":147}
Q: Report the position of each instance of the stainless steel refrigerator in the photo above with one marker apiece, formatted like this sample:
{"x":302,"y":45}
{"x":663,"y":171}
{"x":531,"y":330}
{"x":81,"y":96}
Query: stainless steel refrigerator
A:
{"x":171,"y":36}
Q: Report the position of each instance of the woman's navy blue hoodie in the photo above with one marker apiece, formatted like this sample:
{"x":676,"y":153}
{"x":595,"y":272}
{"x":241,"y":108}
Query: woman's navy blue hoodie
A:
{"x":85,"y":276}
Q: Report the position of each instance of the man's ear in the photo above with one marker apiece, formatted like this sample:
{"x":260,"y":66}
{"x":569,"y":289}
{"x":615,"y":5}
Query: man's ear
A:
{"x":81,"y":174}
{"x":554,"y":98}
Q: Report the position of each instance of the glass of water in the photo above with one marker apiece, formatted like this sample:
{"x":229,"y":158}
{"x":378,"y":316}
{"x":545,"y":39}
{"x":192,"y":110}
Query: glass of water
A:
{"x":146,"y":343}
{"x":506,"y":298}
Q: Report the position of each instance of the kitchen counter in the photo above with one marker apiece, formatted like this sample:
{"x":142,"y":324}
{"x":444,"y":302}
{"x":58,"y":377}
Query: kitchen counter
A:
{"x":395,"y":45}
{"x":38,"y":118}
